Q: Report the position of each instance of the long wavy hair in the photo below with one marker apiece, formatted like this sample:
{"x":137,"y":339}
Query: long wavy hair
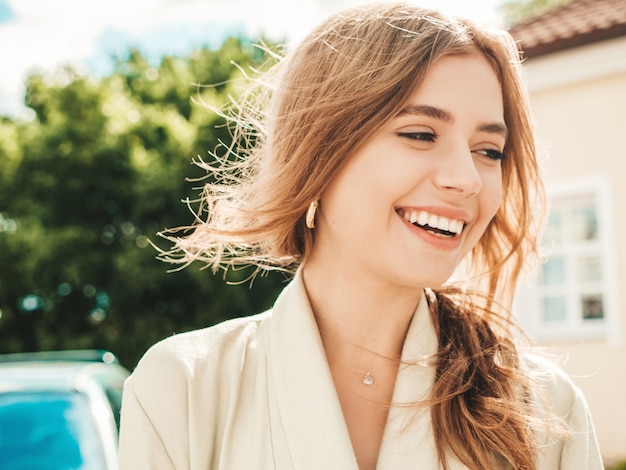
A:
{"x":293,"y":131}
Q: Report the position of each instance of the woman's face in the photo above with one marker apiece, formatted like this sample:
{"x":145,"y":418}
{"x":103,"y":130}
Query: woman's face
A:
{"x":418,"y":195}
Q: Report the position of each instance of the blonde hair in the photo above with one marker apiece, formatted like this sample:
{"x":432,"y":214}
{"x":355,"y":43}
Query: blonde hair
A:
{"x":331,"y":93}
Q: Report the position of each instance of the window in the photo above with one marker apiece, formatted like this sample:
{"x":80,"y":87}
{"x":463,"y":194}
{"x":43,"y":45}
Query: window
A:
{"x":42,"y":430}
{"x":574,"y":293}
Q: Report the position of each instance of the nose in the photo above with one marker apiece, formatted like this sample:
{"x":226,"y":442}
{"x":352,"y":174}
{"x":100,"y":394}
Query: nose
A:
{"x":456,"y":171}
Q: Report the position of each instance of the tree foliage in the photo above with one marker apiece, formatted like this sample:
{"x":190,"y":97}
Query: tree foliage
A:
{"x":87,"y":184}
{"x":517,"y":11}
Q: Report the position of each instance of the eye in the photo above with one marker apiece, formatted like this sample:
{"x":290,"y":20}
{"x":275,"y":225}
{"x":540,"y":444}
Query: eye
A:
{"x":492,"y":154}
{"x":419,"y":136}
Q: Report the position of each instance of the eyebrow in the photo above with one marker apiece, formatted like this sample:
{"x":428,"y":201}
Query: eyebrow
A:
{"x":428,"y":111}
{"x":443,"y":115}
{"x":494,"y":128}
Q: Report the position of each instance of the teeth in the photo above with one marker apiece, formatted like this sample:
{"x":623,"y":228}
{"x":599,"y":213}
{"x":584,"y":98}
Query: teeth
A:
{"x":454,"y":224}
{"x":434,"y":221}
{"x":422,"y":218}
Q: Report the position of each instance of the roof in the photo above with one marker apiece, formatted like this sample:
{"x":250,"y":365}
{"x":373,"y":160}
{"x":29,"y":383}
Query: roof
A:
{"x":57,"y":370}
{"x":78,"y":355}
{"x":33,"y":376}
{"x":573,"y":24}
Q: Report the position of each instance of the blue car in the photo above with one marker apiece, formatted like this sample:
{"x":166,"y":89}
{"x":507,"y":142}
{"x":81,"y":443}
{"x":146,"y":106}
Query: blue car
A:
{"x":60,"y":410}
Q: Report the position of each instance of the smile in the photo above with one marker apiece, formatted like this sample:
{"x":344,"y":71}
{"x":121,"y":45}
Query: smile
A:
{"x":437,"y":225}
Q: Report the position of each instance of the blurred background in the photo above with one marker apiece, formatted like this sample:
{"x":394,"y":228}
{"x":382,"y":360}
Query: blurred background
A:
{"x":98,"y":130}
{"x":96,"y":142}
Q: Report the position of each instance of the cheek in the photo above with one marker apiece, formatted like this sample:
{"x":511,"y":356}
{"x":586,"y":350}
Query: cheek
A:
{"x":491,"y":194}
{"x":489,"y":201}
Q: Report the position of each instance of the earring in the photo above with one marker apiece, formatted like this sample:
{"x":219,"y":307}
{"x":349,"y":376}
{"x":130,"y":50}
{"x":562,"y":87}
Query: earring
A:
{"x":310,"y":214}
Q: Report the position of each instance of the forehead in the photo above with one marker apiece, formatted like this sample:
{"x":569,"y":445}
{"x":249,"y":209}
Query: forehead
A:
{"x":462,"y":83}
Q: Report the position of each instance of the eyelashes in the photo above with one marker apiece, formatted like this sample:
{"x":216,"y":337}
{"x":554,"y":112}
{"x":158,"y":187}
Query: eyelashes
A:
{"x":420,"y":136}
{"x":431,"y":137}
{"x":492,"y":154}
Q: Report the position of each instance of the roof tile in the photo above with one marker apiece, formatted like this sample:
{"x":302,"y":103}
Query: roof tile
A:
{"x":574,"y":24}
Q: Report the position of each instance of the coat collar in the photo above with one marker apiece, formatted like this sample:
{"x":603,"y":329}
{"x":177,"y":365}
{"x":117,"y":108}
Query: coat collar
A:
{"x":316,"y":433}
{"x":310,"y":412}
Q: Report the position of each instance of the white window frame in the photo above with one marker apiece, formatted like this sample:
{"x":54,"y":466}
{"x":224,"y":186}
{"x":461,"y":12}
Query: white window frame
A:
{"x":527,"y":306}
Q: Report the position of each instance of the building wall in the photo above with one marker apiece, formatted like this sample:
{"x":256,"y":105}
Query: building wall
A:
{"x":578,"y":99}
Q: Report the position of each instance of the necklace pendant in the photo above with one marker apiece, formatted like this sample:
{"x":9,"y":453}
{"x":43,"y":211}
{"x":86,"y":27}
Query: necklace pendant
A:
{"x":368,"y":379}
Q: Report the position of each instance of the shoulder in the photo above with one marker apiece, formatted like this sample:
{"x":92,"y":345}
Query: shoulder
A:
{"x":186,"y":381}
{"x":565,"y":428}
{"x":197,"y":346}
{"x":206,"y":352}
{"x":551,"y":380}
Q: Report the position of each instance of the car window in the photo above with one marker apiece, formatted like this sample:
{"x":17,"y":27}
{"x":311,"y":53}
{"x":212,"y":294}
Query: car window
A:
{"x":47,"y":430}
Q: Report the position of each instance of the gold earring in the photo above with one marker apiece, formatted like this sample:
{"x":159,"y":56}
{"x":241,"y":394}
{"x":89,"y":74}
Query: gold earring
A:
{"x":310,"y":214}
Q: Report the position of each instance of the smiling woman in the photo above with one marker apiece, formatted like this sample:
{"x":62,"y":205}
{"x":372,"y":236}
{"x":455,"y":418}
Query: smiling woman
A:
{"x":395,"y":148}
{"x":439,"y":160}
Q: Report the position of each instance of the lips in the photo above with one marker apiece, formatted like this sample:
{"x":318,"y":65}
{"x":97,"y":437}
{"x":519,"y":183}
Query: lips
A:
{"x":433,"y":223}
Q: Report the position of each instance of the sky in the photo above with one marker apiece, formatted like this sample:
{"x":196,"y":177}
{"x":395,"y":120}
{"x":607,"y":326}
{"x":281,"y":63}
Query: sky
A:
{"x":42,"y":35}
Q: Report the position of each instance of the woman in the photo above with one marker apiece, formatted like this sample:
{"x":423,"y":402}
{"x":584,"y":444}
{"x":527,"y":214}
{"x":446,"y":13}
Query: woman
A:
{"x":395,"y":154}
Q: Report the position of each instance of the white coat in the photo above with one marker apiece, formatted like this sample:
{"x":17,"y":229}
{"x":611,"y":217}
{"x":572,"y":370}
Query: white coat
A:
{"x":257,"y":393}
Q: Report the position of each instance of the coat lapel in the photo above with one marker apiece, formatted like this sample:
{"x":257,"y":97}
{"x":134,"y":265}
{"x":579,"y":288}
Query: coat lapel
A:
{"x":314,"y":429}
{"x":408,"y":441}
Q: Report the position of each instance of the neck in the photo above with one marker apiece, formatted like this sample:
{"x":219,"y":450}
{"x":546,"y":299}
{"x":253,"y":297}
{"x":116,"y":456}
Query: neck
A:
{"x":360,"y":320}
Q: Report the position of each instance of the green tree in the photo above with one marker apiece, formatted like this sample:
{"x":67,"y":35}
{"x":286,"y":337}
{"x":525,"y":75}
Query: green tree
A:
{"x":87,"y":184}
{"x":517,"y":11}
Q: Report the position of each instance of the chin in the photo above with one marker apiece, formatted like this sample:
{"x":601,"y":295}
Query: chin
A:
{"x":432,"y":282}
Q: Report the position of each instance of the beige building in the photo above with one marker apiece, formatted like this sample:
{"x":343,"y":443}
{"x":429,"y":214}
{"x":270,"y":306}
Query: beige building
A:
{"x":576,"y":73}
